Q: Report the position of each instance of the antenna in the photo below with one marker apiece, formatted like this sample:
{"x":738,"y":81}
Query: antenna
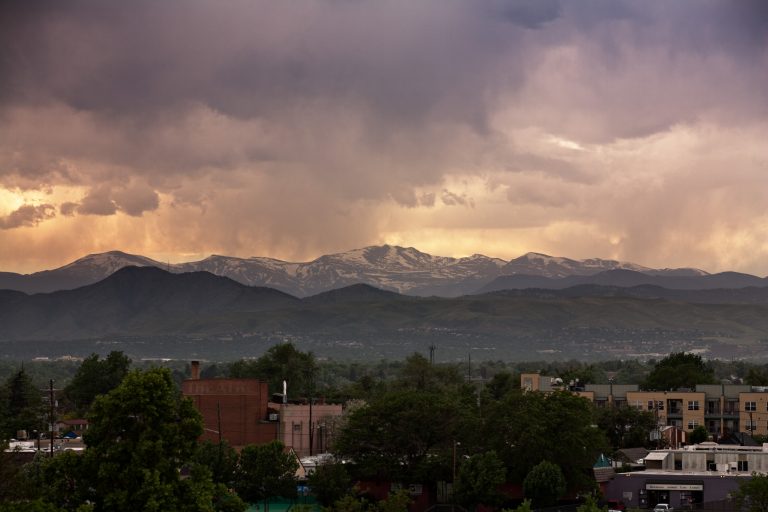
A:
{"x":432,"y":348}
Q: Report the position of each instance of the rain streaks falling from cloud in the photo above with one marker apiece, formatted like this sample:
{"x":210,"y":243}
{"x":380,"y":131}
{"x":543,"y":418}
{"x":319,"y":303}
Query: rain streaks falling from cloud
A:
{"x":596,"y":128}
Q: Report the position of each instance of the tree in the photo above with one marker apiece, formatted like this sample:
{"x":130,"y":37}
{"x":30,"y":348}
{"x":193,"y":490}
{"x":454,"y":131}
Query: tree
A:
{"x":526,"y":428}
{"x":698,"y":435}
{"x":525,"y":506}
{"x":141,"y":433}
{"x":281,"y":362}
{"x":544,"y":484}
{"x":221,"y":459}
{"x":479,"y":479}
{"x":501,"y":384}
{"x":403,"y":436}
{"x":752,"y":494}
{"x":266,"y":471}
{"x":625,"y":427}
{"x":679,"y":370}
{"x":96,"y":377}
{"x":419,"y":373}
{"x":589,"y":505}
{"x":62,"y":481}
{"x":21,"y":405}
{"x":12,"y":482}
{"x":395,"y":502}
{"x":330,"y":482}
{"x":757,"y":377}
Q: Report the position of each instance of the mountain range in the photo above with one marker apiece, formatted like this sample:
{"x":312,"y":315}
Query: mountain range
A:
{"x":400,"y":269}
{"x":197,"y":310}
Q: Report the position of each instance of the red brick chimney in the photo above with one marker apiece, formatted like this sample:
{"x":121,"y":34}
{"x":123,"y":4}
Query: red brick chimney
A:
{"x":195,"y":370}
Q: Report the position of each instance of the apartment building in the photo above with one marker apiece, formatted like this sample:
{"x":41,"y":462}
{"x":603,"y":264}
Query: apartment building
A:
{"x":721,"y":408}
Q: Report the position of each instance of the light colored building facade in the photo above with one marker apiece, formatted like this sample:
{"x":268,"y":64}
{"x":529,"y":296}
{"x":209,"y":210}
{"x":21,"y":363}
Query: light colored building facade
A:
{"x":307,"y":432}
{"x":720,"y":408}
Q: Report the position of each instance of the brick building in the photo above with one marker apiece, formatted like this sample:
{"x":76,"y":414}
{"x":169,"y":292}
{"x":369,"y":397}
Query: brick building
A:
{"x":241,"y":410}
{"x":238,"y":408}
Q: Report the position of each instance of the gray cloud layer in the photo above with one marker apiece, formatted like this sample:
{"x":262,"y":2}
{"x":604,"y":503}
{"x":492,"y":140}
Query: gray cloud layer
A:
{"x":286,"y":128}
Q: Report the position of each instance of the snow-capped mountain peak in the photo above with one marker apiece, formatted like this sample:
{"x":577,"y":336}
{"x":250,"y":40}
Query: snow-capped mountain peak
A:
{"x":534,"y":263}
{"x":389,"y":267}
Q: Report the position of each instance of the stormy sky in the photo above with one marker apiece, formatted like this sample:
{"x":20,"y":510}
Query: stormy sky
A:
{"x":634,"y":130}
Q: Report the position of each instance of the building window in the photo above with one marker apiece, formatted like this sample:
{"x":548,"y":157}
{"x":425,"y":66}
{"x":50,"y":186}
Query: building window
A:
{"x":693,"y":405}
{"x":743,"y":465}
{"x":650,"y":405}
{"x":297,"y":427}
{"x":692,"y":424}
{"x":660,"y":405}
{"x":750,"y":426}
{"x":750,"y":406}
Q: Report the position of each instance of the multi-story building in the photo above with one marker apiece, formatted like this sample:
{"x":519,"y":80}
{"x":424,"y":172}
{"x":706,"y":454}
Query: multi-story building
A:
{"x":240,"y":412}
{"x":721,"y":408}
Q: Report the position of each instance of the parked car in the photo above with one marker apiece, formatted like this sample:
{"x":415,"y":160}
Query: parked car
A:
{"x":615,"y":505}
{"x":663,"y":507}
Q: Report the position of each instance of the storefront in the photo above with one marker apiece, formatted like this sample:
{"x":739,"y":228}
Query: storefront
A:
{"x":644,"y":489}
{"x":678,"y":494}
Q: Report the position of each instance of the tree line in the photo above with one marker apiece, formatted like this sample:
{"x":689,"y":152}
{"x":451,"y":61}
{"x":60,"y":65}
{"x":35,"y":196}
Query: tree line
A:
{"x":428,"y":423}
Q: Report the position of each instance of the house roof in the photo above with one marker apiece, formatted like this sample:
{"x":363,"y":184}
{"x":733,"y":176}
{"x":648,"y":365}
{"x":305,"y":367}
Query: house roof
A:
{"x":656,"y":456}
{"x":631,"y":454}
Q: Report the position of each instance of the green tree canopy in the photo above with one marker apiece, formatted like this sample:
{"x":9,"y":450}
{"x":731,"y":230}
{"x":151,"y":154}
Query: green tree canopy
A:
{"x":679,"y":370}
{"x":544,"y":484}
{"x":698,"y":435}
{"x":419,"y":373}
{"x":281,"y":362}
{"x":21,"y":405}
{"x":330,"y":482}
{"x":140,"y":435}
{"x":220,"y":458}
{"x":403,"y":435}
{"x":752,"y":495}
{"x":96,"y":377}
{"x":479,"y":479}
{"x":526,"y":428}
{"x":626,"y":427}
{"x":502,"y":384}
{"x":266,"y":471}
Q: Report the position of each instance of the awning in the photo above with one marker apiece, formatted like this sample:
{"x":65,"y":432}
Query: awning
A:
{"x":656,"y":456}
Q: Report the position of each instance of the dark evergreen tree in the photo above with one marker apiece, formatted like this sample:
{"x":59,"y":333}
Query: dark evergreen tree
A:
{"x":96,"y":377}
{"x":21,"y":406}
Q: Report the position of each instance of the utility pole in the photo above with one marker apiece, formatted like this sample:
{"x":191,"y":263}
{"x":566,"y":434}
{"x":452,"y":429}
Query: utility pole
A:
{"x":52,"y":404}
{"x":311,"y":429}
{"x":469,"y":367}
{"x":432,"y":348}
{"x":221,"y":440}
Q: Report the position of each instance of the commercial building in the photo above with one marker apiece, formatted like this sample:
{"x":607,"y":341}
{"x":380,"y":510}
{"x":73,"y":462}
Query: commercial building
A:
{"x":696,"y":474}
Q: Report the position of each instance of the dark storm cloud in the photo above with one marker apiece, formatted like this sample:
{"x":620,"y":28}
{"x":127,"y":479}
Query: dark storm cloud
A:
{"x":27,"y":215}
{"x":270,"y":124}
{"x":400,"y":67}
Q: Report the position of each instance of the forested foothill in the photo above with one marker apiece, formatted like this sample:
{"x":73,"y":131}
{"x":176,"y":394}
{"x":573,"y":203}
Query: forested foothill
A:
{"x":405,"y":422}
